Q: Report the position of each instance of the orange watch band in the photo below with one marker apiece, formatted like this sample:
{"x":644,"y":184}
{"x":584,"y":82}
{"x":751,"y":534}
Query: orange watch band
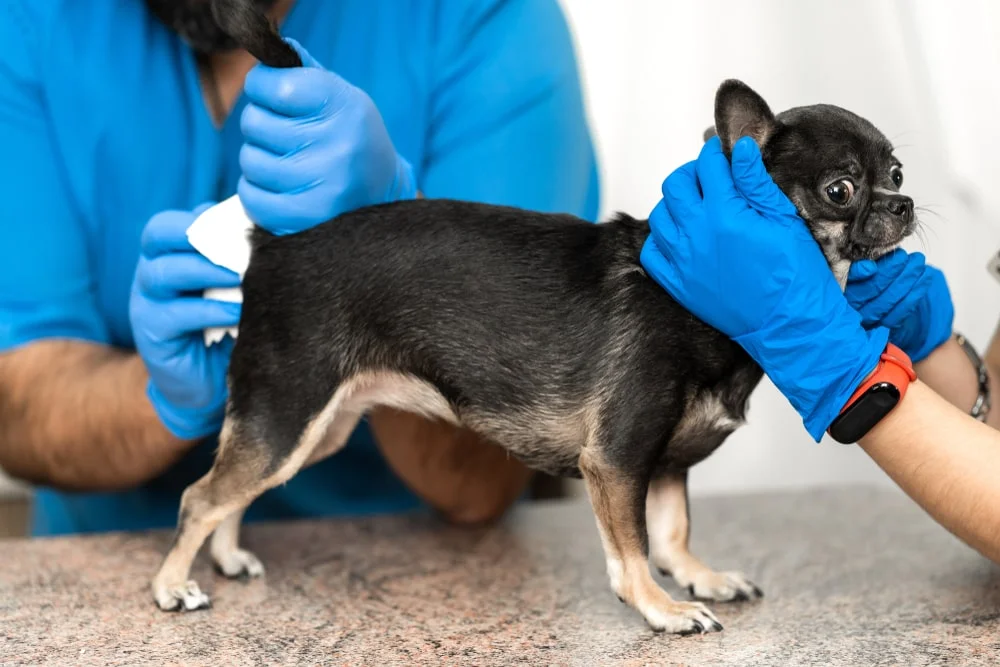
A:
{"x":878,"y":395}
{"x":894,"y":367}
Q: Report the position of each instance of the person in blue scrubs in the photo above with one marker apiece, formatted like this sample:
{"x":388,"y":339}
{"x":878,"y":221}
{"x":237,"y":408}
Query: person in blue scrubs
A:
{"x":122,"y":119}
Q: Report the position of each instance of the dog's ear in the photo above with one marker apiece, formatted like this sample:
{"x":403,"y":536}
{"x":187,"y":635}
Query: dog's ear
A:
{"x":709,"y":133}
{"x":741,"y":112}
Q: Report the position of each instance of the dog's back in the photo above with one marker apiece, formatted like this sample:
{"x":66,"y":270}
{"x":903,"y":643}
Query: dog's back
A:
{"x":534,"y":329}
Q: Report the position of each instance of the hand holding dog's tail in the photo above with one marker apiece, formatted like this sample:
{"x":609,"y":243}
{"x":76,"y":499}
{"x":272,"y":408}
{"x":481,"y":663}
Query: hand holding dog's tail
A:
{"x":252,"y":30}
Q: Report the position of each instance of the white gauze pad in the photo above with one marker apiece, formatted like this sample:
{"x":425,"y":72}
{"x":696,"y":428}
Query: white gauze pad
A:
{"x":222,"y":235}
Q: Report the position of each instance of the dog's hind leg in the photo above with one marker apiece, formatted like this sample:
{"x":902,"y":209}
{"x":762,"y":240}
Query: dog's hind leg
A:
{"x":237,"y":477}
{"x":617,"y":497}
{"x":245,"y":467}
{"x":229,"y":559}
{"x":669,"y":524}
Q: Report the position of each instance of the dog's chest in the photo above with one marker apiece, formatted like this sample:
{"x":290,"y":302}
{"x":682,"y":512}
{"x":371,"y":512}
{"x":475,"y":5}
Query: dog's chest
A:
{"x":706,"y":423}
{"x":710,"y":416}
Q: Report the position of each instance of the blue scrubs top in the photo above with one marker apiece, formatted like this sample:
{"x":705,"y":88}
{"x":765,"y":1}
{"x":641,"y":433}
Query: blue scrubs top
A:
{"x":103,"y":123}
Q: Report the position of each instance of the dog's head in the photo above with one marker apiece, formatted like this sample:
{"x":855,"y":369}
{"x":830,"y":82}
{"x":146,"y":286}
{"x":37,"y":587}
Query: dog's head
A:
{"x":836,"y":167}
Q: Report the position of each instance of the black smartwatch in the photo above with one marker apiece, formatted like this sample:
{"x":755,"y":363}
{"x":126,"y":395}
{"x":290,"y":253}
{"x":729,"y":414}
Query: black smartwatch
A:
{"x":877,"y":396}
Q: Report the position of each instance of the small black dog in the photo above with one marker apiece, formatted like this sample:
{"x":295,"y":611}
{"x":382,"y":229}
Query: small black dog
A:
{"x":540,"y":332}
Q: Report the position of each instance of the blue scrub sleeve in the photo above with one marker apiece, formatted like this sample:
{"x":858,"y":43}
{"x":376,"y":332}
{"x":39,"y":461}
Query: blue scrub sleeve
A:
{"x":46,"y":285}
{"x":507,"y":121}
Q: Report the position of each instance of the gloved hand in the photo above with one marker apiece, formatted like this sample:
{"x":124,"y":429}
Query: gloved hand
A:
{"x":728,"y":245}
{"x":187,"y":381}
{"x":315,"y":147}
{"x":902,"y":292}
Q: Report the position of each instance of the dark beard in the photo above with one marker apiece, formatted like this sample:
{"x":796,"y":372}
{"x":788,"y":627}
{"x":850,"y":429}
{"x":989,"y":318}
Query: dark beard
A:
{"x":192,"y":20}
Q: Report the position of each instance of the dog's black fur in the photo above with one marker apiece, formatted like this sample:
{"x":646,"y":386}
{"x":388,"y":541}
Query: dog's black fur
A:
{"x":541,"y":332}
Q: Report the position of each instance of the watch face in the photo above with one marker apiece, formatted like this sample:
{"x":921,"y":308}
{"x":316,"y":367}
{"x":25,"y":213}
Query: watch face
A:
{"x":862,"y":415}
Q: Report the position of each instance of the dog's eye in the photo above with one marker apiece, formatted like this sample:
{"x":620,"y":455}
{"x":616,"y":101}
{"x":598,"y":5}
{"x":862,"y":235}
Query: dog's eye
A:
{"x":896,"y":174}
{"x":840,"y":192}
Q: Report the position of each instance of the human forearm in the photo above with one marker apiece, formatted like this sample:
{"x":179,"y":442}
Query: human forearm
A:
{"x":460,"y":475}
{"x":946,"y":461}
{"x":75,"y":415}
{"x":948,"y":371}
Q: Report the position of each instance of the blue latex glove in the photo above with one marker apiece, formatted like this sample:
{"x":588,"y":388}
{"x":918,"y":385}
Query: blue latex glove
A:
{"x":902,"y":292}
{"x":187,"y":381}
{"x":315,"y":147}
{"x":728,"y":245}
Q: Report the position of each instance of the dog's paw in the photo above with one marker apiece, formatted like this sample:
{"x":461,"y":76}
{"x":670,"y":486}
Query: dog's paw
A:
{"x":186,"y":597}
{"x":723,"y":587}
{"x":681,"y":618}
{"x":238,"y":564}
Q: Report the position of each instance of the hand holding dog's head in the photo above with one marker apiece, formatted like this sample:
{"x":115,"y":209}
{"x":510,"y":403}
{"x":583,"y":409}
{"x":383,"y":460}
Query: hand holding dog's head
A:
{"x":836,"y":167}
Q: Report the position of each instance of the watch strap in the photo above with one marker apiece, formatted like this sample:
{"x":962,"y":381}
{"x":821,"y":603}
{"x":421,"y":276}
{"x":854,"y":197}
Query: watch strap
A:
{"x":877,"y":395}
{"x":894,"y":367}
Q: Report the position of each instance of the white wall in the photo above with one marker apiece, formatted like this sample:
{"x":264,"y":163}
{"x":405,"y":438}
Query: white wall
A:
{"x":923,"y":71}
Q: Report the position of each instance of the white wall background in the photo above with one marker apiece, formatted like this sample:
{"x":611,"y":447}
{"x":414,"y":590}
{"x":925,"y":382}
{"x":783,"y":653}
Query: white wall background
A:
{"x":923,"y":71}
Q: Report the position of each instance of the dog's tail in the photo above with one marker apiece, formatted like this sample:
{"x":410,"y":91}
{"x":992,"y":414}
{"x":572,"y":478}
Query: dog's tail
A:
{"x":252,"y":30}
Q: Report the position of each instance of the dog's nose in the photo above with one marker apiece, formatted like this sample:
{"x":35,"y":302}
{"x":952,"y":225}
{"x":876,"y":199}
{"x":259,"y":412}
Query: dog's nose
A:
{"x":901,"y":207}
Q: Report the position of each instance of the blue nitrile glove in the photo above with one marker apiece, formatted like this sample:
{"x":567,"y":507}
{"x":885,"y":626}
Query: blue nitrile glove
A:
{"x":728,"y":245}
{"x":315,"y":147}
{"x":187,"y":381}
{"x":902,"y":292}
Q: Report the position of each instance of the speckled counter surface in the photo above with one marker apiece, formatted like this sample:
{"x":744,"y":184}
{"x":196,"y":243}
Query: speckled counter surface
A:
{"x":852,"y":577}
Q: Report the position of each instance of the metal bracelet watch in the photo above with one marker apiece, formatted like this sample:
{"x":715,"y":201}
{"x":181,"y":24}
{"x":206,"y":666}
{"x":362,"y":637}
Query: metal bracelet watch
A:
{"x":981,"y":409}
{"x":877,"y":396}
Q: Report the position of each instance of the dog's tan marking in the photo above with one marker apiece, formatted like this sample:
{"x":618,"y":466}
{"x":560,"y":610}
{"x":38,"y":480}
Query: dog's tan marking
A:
{"x":669,"y":531}
{"x":617,"y":505}
{"x":379,"y":388}
{"x":704,"y":413}
{"x":226,"y":553}
{"x":546,"y":437}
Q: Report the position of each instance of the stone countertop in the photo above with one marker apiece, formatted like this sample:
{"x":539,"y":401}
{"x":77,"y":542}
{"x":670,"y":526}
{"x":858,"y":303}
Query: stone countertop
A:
{"x":854,"y":577}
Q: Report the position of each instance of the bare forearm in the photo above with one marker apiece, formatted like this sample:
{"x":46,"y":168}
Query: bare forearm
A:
{"x":947,"y":462}
{"x":75,"y":415}
{"x":950,"y":373}
{"x":465,"y":478}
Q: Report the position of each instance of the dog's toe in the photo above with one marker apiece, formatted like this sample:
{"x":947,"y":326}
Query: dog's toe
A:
{"x":238,"y":564}
{"x":683,"y":618}
{"x":186,"y":597}
{"x":724,"y":587}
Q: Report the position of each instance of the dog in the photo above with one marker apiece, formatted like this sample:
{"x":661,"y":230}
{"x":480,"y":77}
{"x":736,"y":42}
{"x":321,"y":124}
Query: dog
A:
{"x":540,"y":332}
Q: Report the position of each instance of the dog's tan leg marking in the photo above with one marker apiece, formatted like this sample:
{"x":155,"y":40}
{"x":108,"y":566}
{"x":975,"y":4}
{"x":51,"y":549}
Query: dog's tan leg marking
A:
{"x":235,"y":480}
{"x":203,"y":506}
{"x":618,"y":507}
{"x":669,"y":530}
{"x":239,"y":476}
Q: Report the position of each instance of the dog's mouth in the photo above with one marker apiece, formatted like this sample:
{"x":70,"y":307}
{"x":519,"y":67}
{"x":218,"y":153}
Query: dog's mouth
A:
{"x":879,"y":251}
{"x":887,"y":237}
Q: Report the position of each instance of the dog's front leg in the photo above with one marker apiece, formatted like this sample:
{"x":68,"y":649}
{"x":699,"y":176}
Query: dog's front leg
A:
{"x":617,"y":500}
{"x":669,"y":529}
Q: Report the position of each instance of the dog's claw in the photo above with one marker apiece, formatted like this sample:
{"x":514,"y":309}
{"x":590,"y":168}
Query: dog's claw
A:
{"x":697,"y":628}
{"x":684,"y":618}
{"x":187,"y":597}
